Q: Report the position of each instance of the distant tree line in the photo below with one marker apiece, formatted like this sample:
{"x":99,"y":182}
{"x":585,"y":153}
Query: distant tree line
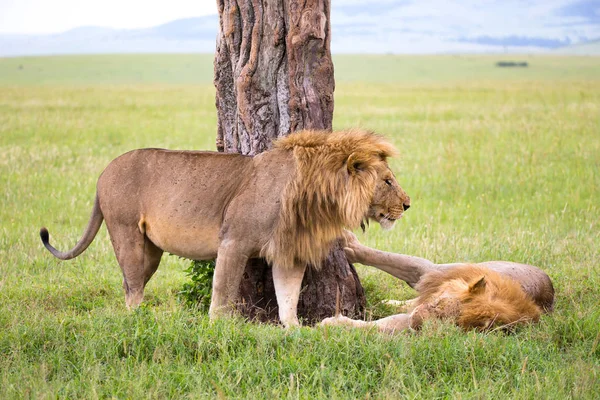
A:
{"x":512,"y":64}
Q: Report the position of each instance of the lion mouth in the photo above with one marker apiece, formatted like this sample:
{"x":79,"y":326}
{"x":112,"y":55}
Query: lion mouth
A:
{"x":386,"y":219}
{"x":383,"y":216}
{"x":387,"y":222}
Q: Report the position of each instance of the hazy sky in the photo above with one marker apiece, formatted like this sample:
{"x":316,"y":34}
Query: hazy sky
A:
{"x":559,"y":20}
{"x":50,"y":16}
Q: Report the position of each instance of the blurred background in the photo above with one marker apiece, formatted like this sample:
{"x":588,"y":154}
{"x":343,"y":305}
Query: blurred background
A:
{"x":37,"y":27}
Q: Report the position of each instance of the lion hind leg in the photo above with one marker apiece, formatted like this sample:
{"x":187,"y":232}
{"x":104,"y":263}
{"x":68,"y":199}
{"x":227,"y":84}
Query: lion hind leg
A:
{"x":229,"y":269}
{"x":288,"y":282}
{"x":138,"y":258}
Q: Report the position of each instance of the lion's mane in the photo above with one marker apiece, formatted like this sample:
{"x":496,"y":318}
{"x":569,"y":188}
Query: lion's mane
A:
{"x":332,"y":189}
{"x":484,"y":295}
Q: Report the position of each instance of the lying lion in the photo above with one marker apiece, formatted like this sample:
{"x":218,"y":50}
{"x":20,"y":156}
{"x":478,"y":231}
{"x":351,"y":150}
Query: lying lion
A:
{"x":484,"y":296}
{"x":287,"y":205}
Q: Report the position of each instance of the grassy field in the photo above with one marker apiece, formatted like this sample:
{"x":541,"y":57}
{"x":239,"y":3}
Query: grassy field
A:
{"x":499,"y":163}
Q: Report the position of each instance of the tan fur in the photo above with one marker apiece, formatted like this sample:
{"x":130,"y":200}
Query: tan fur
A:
{"x":287,"y":204}
{"x":484,"y":299}
{"x":471,"y":296}
{"x":485,"y":296}
{"x":536,"y":284}
{"x":334,"y":186}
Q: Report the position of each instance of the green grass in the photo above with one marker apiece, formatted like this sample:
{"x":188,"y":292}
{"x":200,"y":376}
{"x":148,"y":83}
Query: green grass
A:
{"x":499,"y":163}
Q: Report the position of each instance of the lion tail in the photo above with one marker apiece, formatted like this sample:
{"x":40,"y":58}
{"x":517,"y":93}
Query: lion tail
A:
{"x":88,"y":236}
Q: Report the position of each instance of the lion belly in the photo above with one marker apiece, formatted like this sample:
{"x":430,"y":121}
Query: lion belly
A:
{"x":197,"y":241}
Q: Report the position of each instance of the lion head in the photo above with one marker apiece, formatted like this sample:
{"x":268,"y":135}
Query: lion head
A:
{"x":476,"y":298}
{"x":341,"y":179}
{"x":389,"y":200}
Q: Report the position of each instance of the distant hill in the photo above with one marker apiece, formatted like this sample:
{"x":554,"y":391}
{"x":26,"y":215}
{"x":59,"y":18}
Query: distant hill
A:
{"x":355,"y":29}
{"x":591,"y":48}
{"x":190,"y":35}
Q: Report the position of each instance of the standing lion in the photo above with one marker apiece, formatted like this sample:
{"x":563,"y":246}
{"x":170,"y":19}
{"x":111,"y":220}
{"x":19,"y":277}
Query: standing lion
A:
{"x":287,"y":205}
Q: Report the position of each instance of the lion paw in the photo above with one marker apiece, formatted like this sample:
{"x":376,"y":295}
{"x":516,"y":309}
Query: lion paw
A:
{"x":419,"y":315}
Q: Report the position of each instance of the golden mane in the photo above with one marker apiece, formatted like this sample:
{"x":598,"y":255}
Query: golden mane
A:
{"x":332,"y":189}
{"x":486,"y":297}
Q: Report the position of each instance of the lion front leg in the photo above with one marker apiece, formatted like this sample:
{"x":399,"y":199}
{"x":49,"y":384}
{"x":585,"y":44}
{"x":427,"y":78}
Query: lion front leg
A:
{"x":408,"y":268}
{"x":288,"y":282}
{"x":229,"y":269}
{"x":341,"y":320}
{"x":392,"y":324}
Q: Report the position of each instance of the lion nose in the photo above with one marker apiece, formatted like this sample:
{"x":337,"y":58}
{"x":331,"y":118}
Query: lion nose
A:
{"x":406,"y":206}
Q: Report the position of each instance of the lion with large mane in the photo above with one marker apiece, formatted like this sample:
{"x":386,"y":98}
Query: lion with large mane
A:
{"x":484,"y":296}
{"x":287,"y":205}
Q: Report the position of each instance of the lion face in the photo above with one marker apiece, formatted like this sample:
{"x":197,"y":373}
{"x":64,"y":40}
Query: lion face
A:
{"x":389,"y":200}
{"x":492,"y":304}
{"x":475,"y":298}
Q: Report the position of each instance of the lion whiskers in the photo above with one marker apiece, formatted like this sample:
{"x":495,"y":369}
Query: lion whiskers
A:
{"x":387,"y":223}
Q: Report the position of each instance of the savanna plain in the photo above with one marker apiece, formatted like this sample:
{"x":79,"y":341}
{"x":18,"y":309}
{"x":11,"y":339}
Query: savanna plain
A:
{"x":500,"y":163}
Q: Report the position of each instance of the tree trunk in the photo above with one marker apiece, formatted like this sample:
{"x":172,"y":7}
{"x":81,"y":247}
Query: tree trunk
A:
{"x":274,"y":75}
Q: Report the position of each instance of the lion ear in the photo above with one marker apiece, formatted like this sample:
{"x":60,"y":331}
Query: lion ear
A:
{"x":354,"y":164}
{"x":478,"y":287}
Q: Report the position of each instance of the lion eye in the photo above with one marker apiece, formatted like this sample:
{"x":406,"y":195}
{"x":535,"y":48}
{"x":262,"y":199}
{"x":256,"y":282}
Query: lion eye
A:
{"x":388,"y":182}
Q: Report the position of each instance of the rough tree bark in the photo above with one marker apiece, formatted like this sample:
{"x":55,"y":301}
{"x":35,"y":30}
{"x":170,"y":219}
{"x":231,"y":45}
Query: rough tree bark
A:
{"x":274,"y":75}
